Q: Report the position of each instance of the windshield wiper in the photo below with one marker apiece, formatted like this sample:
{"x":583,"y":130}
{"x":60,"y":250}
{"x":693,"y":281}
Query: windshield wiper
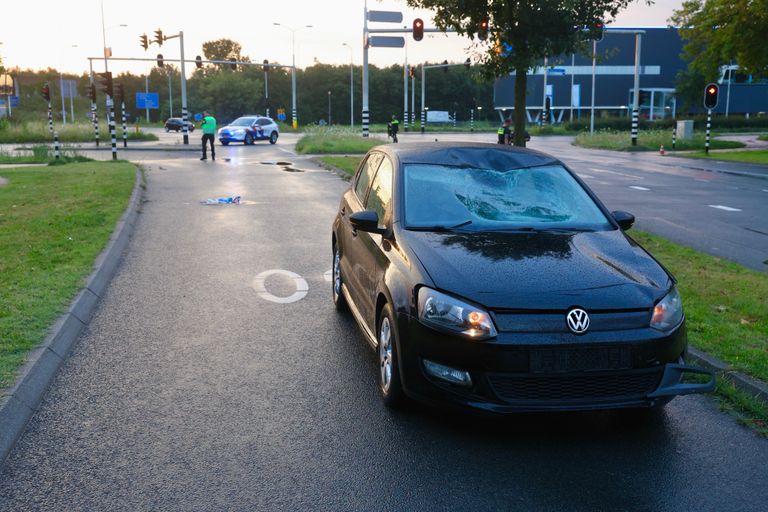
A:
{"x":441,"y":229}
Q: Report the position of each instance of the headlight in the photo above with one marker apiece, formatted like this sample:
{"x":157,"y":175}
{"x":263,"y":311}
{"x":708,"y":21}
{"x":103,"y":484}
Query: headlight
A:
{"x":668,"y":312}
{"x":445,"y":312}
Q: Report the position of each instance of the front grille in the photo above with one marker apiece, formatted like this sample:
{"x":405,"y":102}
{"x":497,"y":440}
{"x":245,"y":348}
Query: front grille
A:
{"x":574,"y":387}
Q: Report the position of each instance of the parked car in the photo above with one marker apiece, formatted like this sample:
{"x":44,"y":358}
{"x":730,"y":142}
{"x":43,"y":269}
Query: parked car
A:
{"x":492,"y":278}
{"x":248,"y":129}
{"x":176,"y":124}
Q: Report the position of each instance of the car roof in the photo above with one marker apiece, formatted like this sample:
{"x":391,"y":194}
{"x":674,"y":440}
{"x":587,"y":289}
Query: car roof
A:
{"x":467,"y":154}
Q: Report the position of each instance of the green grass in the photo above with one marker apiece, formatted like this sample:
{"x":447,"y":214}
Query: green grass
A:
{"x":763,"y":137}
{"x":347,"y":164}
{"x":726,"y":304}
{"x":751,"y":157}
{"x":32,"y":132}
{"x":647,"y":141}
{"x":42,"y":154}
{"x":749,"y":411}
{"x":335,"y":140}
{"x":54,"y":221}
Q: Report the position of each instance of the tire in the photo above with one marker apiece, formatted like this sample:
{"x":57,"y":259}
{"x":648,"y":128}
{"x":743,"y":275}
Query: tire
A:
{"x":338,"y":297}
{"x":248,"y":141}
{"x":224,"y":142}
{"x":167,"y":130}
{"x":273,"y":138}
{"x":389,"y":369}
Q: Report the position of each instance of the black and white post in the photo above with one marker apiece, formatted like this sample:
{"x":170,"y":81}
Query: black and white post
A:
{"x":111,"y":123}
{"x":472,"y":120}
{"x":674,"y":135}
{"x":56,"y":150}
{"x":636,"y":94}
{"x":50,"y":117}
{"x":125,"y":128}
{"x":709,"y":125}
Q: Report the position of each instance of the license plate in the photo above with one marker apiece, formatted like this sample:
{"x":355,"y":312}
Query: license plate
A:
{"x":580,"y":359}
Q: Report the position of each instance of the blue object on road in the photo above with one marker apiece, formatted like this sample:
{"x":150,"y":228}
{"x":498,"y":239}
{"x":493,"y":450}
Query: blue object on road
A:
{"x":148,"y":100}
{"x":223,"y":200}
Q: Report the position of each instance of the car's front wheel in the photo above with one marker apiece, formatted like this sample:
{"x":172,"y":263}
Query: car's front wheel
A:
{"x":273,"y":138}
{"x":167,"y":129}
{"x":338,"y":297}
{"x":389,"y":369}
{"x":248,"y":139}
{"x":224,"y":142}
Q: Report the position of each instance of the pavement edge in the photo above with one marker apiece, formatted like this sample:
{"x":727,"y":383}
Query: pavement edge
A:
{"x":43,"y":362}
{"x":742,"y":382}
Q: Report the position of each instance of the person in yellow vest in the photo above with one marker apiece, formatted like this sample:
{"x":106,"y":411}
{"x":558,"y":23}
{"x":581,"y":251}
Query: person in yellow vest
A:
{"x":394,"y":127}
{"x":209,"y":134}
{"x":504,"y":132}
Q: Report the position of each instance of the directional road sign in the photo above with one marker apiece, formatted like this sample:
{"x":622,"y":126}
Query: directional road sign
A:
{"x":385,"y":16}
{"x":386,"y":42}
{"x":147,"y":100}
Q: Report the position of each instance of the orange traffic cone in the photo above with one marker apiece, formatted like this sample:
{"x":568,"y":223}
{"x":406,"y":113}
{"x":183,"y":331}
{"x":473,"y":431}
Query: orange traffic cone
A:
{"x":661,"y":150}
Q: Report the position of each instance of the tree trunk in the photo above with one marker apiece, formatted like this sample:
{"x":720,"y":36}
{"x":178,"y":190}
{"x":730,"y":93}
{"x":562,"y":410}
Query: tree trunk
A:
{"x":521,"y":81}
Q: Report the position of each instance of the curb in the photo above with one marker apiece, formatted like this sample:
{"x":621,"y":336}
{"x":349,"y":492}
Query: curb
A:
{"x":339,"y":172}
{"x":42,"y":363}
{"x":742,"y":382}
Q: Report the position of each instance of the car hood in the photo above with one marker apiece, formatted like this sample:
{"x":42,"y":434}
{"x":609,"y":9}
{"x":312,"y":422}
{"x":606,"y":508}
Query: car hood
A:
{"x":596,"y":270}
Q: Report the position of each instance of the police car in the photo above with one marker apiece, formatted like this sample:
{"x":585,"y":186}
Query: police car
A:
{"x":248,"y":129}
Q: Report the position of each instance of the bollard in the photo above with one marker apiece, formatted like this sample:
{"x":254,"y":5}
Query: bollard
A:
{"x":709,"y":124}
{"x":674,"y":138}
{"x":56,"y":152}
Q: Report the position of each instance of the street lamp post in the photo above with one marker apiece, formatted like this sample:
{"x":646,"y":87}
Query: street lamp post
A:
{"x":329,"y":108}
{"x":351,"y":88}
{"x":293,"y":69}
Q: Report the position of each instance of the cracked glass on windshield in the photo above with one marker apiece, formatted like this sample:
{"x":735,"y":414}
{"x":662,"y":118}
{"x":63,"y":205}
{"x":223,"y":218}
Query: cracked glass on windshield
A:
{"x":544,"y":197}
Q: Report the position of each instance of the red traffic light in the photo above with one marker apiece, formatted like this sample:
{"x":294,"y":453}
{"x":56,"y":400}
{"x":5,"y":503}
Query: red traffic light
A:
{"x":418,"y":29}
{"x":482,"y":31}
{"x":46,"y":92}
{"x":710,"y":96}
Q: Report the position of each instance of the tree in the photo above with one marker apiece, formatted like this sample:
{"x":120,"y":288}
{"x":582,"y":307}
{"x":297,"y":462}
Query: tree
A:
{"x":534,"y":29}
{"x":223,"y":49}
{"x":718,"y":31}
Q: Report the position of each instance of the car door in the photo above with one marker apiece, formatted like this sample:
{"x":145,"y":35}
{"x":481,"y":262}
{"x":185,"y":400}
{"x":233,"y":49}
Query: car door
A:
{"x":368,"y":246}
{"x":263,"y":128}
{"x":352,"y":202}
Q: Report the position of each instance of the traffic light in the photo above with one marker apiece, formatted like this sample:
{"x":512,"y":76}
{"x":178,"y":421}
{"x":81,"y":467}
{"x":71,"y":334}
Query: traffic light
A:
{"x":233,"y":64}
{"x":710,"y":96}
{"x":482,"y":31}
{"x":266,"y":67}
{"x":467,"y":63}
{"x":159,"y":60}
{"x":119,"y":93}
{"x":105,"y":80}
{"x":46,"y":92}
{"x":645,"y":97}
{"x":418,"y":29}
{"x":411,"y":71}
{"x":199,"y":62}
{"x":597,"y":34}
{"x":158,"y":37}
{"x":445,"y":69}
{"x":144,"y":41}
{"x":92,"y":92}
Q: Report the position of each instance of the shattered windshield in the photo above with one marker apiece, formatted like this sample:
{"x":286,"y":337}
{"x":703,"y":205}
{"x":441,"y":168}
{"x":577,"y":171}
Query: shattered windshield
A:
{"x":546,"y":197}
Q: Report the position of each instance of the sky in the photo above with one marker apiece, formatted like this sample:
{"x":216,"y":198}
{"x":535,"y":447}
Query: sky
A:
{"x":62,"y":34}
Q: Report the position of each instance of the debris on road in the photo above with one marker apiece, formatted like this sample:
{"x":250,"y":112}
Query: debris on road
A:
{"x":222,"y":200}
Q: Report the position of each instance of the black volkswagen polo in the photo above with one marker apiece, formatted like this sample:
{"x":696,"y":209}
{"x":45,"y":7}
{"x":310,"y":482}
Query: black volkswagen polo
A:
{"x":493,"y":278}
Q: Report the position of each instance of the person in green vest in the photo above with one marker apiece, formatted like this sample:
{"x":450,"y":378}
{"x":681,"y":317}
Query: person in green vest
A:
{"x":209,"y":133}
{"x":504,"y":132}
{"x":394,"y":127}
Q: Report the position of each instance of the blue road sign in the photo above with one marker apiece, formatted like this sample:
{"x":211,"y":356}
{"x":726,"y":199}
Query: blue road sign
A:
{"x":14,"y":101}
{"x":198,"y":117}
{"x":556,"y":71}
{"x":147,"y":100}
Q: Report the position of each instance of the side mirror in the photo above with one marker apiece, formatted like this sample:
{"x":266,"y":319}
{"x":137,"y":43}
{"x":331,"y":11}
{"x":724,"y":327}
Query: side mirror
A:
{"x":367,"y":221}
{"x":625,"y":220}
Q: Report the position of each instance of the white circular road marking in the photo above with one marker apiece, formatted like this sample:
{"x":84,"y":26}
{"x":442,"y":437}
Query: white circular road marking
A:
{"x":328,"y":276}
{"x":301,"y":286}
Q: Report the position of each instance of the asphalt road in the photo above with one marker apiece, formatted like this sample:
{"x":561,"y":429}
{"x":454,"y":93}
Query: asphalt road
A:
{"x":196,"y":388}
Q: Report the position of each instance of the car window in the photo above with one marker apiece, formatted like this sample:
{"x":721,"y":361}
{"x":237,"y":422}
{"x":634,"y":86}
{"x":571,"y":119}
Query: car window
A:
{"x":243,"y":121}
{"x":365,"y":175}
{"x":380,"y":195}
{"x":536,"y":197}
{"x":264,"y":122}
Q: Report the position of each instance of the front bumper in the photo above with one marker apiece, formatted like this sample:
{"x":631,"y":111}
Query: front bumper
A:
{"x":607,"y":370}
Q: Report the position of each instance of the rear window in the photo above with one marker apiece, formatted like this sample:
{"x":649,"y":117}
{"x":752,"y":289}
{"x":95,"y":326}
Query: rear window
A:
{"x":488,"y":199}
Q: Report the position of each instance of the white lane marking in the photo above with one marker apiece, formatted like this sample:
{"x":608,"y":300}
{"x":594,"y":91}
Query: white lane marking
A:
{"x":726,"y":208}
{"x":586,"y":177}
{"x":640,"y":188}
{"x":765,"y":190}
{"x":301,"y":286}
{"x":604,"y":171}
{"x":328,"y":276}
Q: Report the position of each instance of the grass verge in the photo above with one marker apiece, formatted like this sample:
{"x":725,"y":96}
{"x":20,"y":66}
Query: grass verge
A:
{"x":763,"y":137}
{"x":335,"y":140}
{"x":42,"y":154}
{"x":647,"y":141}
{"x":759,"y":156}
{"x":347,"y":164}
{"x":54,"y":221}
{"x":748,"y":410}
{"x":38,"y":132}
